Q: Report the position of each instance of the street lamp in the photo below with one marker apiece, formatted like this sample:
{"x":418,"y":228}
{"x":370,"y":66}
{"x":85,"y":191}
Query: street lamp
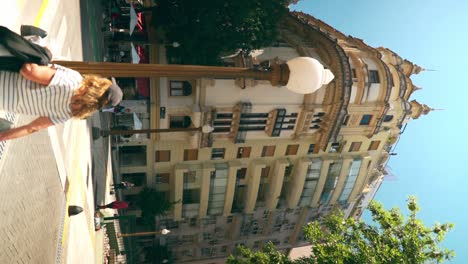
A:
{"x":301,"y":75}
{"x":307,"y":75}
{"x":161,"y":232}
{"x":204,"y":129}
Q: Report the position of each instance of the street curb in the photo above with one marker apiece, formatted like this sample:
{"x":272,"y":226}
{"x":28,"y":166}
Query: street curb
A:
{"x":91,"y":24}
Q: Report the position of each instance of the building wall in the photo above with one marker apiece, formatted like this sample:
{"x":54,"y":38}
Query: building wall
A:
{"x":236,"y":190}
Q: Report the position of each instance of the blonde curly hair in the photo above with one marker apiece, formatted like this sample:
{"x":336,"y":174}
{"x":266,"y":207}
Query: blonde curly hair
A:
{"x":91,"y":96}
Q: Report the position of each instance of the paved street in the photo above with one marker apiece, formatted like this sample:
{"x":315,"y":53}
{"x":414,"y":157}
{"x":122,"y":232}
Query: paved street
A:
{"x":32,"y":201}
{"x":44,"y":173}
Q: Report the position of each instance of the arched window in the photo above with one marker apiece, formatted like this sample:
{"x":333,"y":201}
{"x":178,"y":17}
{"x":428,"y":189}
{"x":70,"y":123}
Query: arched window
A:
{"x":388,"y":118}
{"x":180,"y":88}
{"x":180,"y":122}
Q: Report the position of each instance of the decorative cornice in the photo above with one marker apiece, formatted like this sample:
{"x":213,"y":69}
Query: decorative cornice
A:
{"x":325,"y":29}
{"x":340,"y":110}
{"x":388,"y":92}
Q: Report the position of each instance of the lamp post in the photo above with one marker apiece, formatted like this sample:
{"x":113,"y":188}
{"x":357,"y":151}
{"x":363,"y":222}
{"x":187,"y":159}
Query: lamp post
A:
{"x":301,"y":75}
{"x":161,"y":232}
{"x":203,"y":129}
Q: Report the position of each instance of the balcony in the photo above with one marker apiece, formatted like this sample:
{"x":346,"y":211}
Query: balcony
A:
{"x":206,"y":139}
{"x":275,"y":122}
{"x":237,"y":134}
{"x":306,"y":118}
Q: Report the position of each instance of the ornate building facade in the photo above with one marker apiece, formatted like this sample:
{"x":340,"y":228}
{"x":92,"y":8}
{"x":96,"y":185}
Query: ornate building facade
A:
{"x":275,"y":159}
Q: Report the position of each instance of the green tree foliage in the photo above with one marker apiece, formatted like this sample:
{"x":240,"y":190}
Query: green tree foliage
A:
{"x":207,"y":29}
{"x":393,"y":239}
{"x":161,"y":254}
{"x":267,"y":255}
{"x":152,"y":204}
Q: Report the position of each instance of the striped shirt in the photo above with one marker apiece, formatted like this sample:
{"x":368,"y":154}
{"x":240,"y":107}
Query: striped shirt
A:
{"x":23,"y":96}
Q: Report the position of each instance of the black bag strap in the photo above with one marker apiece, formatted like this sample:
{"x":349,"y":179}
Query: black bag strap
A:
{"x":22,"y":49}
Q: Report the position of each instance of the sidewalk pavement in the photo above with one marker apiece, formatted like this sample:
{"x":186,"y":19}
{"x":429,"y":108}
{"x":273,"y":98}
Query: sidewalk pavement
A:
{"x":44,"y":173}
{"x":32,"y":201}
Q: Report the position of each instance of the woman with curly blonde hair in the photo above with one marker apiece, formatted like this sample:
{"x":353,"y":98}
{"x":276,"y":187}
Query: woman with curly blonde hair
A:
{"x":54,"y":93}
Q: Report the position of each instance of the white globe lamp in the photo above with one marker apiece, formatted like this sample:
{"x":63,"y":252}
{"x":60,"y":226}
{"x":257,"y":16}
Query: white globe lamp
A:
{"x":165,"y":231}
{"x":307,"y":75}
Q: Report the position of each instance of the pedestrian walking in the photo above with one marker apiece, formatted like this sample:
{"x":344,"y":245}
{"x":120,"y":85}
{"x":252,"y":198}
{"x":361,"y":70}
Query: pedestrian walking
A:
{"x":115,"y":205}
{"x":116,"y":110}
{"x":123,"y":185}
{"x":53,"y":93}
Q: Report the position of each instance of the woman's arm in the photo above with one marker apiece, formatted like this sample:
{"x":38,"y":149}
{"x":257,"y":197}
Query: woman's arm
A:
{"x":36,"y":73}
{"x":34,"y":126}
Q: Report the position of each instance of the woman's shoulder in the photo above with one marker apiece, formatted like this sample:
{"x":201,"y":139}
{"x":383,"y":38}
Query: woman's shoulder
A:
{"x":66,"y":71}
{"x":66,"y":76}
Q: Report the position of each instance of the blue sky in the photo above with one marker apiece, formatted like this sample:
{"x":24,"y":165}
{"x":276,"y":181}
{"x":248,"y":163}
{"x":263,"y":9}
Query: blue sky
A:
{"x":431,"y":152}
